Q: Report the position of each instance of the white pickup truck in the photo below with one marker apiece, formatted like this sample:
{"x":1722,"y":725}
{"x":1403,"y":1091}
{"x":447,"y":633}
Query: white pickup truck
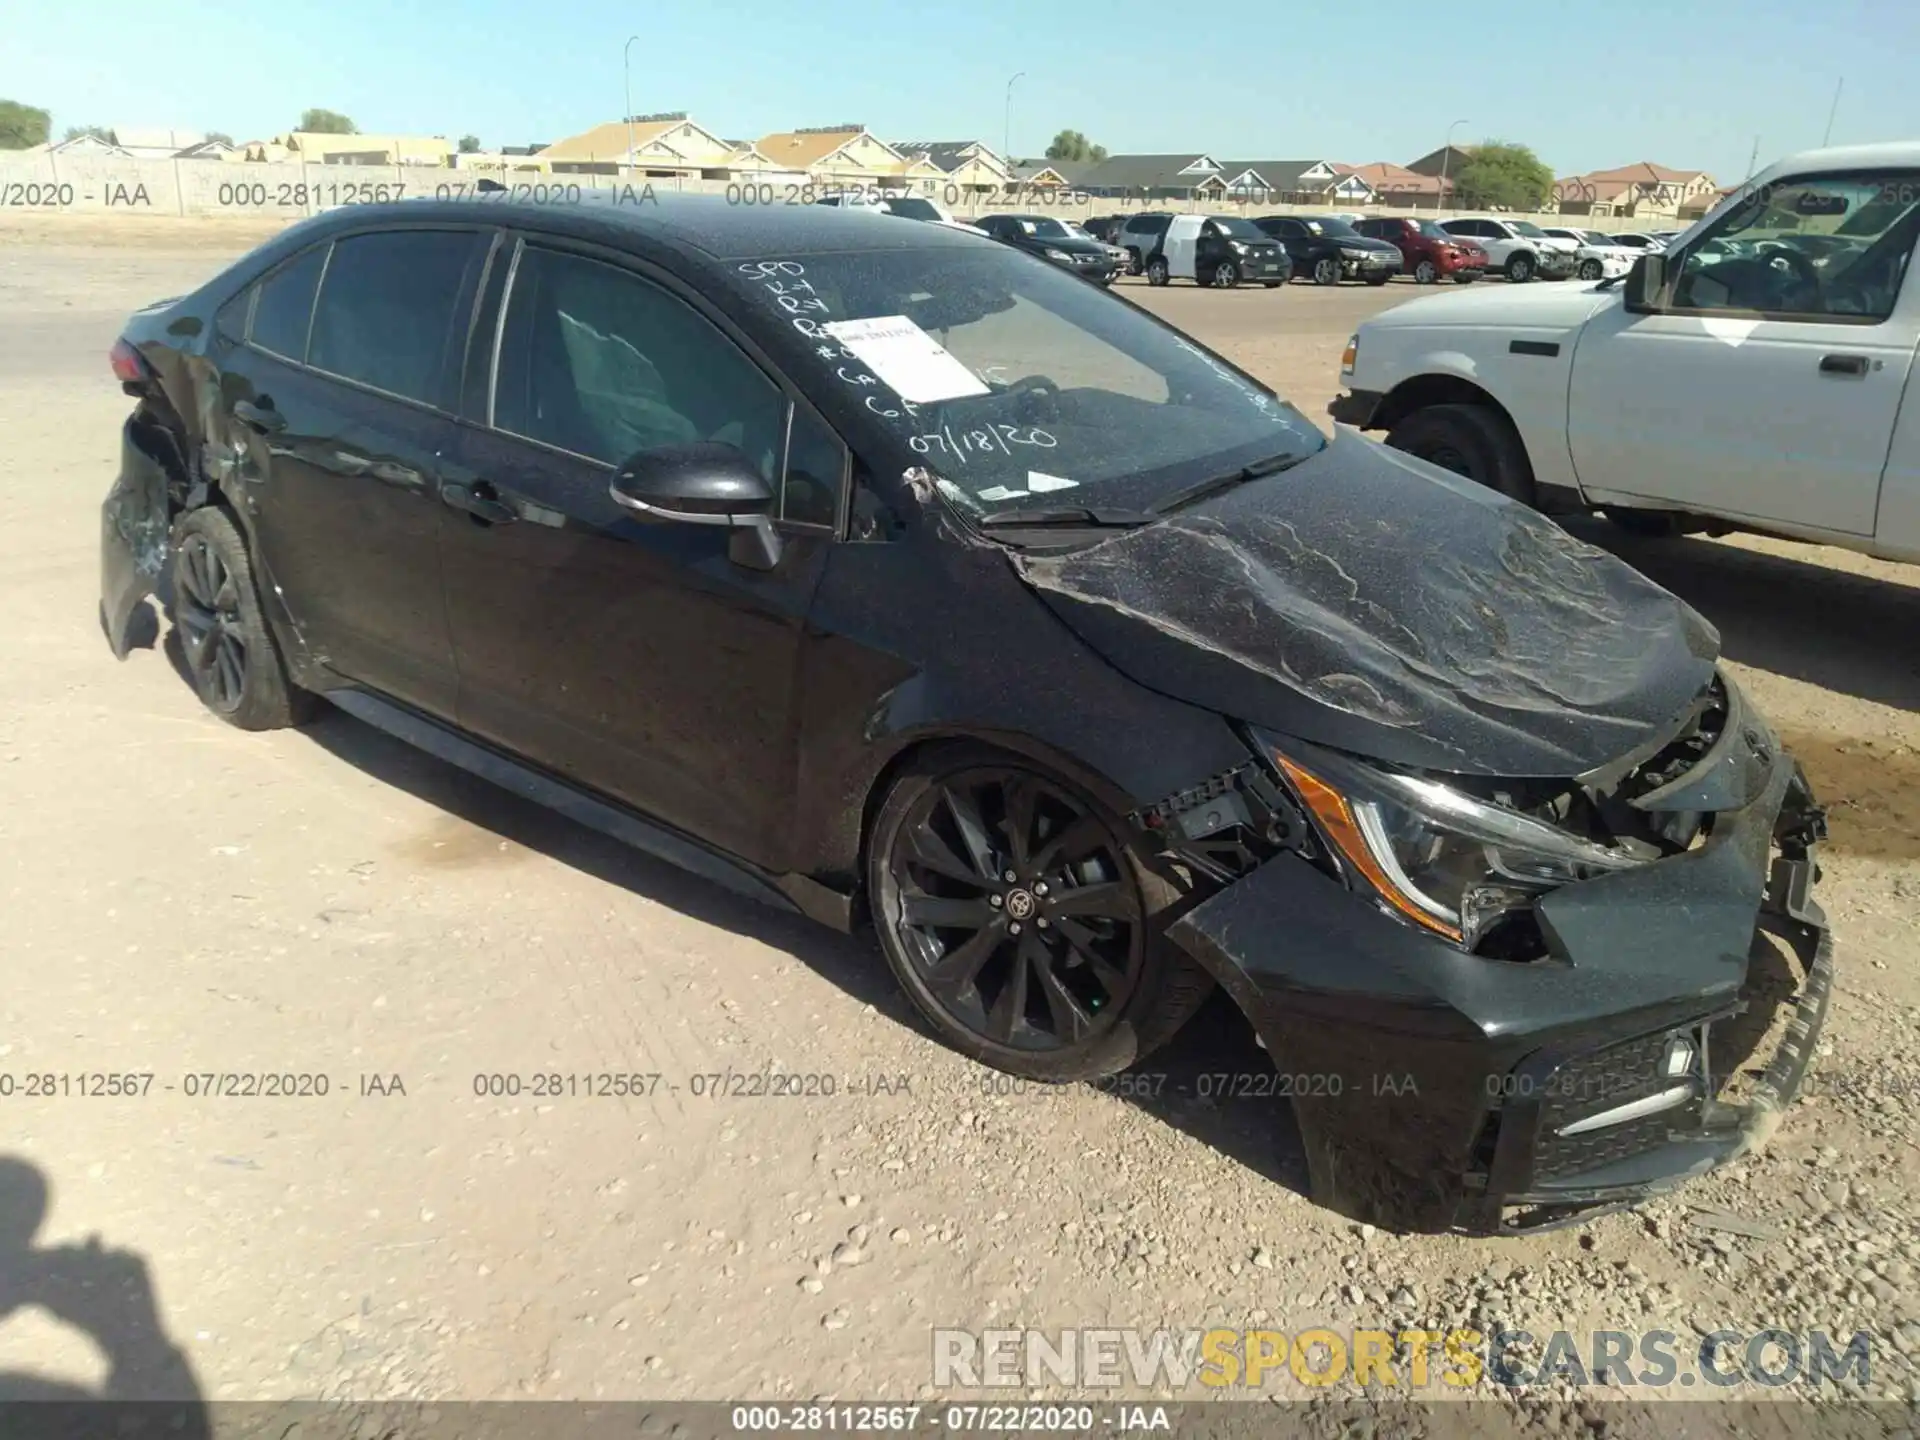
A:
{"x":1752,"y":377}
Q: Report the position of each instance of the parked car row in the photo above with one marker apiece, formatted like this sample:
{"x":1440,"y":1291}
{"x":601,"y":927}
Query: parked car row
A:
{"x":1223,"y":251}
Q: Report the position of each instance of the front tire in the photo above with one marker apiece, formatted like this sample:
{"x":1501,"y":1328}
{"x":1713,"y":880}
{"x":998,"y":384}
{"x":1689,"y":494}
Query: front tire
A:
{"x":1225,"y":276}
{"x":1590,"y":269}
{"x":1426,"y":273}
{"x":236,"y":667}
{"x":1520,"y":268}
{"x":1061,"y":972}
{"x":1157,"y":271}
{"x":1475,"y":441}
{"x":1326,"y":271}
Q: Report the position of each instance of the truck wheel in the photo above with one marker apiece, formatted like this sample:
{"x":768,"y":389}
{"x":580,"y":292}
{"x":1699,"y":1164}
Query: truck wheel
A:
{"x":1157,"y":271}
{"x":1590,"y":269}
{"x":1020,"y":922}
{"x":1425,"y":273}
{"x":1520,"y":268}
{"x":1471,"y":440}
{"x":230,"y":653}
{"x":1326,"y":271}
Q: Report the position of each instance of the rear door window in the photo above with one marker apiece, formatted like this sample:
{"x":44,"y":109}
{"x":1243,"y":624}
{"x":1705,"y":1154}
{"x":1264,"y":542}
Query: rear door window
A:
{"x":386,"y":310}
{"x":284,"y":309}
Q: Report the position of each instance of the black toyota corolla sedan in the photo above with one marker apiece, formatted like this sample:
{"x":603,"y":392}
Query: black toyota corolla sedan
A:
{"x":894,"y":576}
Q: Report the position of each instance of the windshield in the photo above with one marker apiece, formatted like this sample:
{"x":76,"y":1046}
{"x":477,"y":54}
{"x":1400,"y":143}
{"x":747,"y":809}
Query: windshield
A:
{"x":1042,"y":227}
{"x":1527,"y":228}
{"x":1021,"y":384}
{"x":1235,"y":229}
{"x":1333,"y":227}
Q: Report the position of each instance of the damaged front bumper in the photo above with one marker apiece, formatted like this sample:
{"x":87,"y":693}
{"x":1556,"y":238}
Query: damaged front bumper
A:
{"x":1661,"y":1035}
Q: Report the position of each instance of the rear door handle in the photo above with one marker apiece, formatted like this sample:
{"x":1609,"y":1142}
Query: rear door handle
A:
{"x":1843,"y":364}
{"x":479,"y":501}
{"x":262,"y":417}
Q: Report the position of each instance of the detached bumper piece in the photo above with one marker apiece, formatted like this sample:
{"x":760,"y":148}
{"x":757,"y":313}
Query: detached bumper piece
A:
{"x":1670,"y":1021}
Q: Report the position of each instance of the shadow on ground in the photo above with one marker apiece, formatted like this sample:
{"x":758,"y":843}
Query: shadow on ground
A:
{"x":1844,"y":632}
{"x":107,"y":1295}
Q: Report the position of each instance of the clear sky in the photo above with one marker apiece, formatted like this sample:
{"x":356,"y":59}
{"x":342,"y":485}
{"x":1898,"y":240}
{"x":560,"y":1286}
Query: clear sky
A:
{"x":1591,"y":85}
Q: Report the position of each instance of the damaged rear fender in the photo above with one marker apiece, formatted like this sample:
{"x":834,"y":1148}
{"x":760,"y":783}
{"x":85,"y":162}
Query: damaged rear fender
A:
{"x":135,"y":523}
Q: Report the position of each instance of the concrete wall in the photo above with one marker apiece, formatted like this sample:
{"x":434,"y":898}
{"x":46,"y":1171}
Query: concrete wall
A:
{"x":105,"y":186}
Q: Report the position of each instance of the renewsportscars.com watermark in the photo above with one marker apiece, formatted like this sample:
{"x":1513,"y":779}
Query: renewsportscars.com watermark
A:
{"x":1413,"y":1360}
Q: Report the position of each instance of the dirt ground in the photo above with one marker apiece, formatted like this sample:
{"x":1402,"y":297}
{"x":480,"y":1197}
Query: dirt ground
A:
{"x":177,"y":898}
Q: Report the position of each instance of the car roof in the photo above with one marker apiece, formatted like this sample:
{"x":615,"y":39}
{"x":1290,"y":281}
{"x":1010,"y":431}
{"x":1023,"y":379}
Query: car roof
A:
{"x":710,"y":224}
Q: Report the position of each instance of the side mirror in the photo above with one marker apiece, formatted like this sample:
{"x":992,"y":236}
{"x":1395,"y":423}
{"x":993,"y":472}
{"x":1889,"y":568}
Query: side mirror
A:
{"x":703,"y":484}
{"x":1646,"y":283}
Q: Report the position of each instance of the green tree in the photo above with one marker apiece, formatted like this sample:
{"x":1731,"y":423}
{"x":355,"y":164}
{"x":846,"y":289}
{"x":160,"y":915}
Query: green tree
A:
{"x":327,"y":122}
{"x":1501,"y":173}
{"x":469,"y":144}
{"x":22,"y":126}
{"x":98,"y":132}
{"x":1072,"y":145}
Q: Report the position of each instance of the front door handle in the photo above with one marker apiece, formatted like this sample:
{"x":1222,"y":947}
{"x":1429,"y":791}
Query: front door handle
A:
{"x":261,"y":417}
{"x":1843,"y":364}
{"x":479,"y":501}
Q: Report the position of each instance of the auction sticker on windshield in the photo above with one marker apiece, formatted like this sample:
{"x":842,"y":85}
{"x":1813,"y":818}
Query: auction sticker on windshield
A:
{"x":907,"y":359}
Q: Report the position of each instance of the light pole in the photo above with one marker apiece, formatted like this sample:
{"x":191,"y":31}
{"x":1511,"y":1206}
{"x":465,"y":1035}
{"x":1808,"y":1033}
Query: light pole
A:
{"x":1446,"y":154}
{"x":1006,"y":137}
{"x":626,"y":73}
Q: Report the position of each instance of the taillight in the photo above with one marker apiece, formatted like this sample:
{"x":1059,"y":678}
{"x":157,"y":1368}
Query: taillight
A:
{"x":129,"y":368}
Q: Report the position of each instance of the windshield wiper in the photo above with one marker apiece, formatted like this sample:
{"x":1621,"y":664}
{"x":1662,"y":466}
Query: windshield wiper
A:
{"x":1206,"y":489}
{"x":1062,"y":515}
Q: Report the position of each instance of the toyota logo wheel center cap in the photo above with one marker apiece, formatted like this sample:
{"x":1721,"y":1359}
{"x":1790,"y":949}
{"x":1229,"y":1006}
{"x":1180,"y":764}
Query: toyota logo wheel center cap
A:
{"x":1020,"y":904}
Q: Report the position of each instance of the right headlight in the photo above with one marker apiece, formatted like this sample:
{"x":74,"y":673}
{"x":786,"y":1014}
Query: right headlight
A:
{"x":1447,"y":861}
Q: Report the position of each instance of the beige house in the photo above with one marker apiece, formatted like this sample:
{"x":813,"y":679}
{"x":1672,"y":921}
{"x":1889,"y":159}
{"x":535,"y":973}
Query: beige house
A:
{"x":659,"y":146}
{"x":1644,"y":191}
{"x":317,"y":148}
{"x":968,"y":167}
{"x":844,"y":155}
{"x":1401,"y":186}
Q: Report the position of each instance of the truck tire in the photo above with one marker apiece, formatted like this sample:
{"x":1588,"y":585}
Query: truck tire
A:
{"x":1476,"y":441}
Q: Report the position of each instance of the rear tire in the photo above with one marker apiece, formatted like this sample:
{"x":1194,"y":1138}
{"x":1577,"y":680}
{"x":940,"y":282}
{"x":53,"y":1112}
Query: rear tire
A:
{"x":230,"y":652}
{"x":1086,"y":995}
{"x":1475,"y":441}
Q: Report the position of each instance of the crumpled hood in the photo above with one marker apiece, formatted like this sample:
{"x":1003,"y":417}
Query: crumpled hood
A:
{"x":1565,"y":305}
{"x":1369,"y":601}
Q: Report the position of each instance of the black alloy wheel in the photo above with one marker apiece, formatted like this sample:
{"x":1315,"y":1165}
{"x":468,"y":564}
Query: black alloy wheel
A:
{"x":1017,"y":910}
{"x":225,"y":644}
{"x":212,"y":635}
